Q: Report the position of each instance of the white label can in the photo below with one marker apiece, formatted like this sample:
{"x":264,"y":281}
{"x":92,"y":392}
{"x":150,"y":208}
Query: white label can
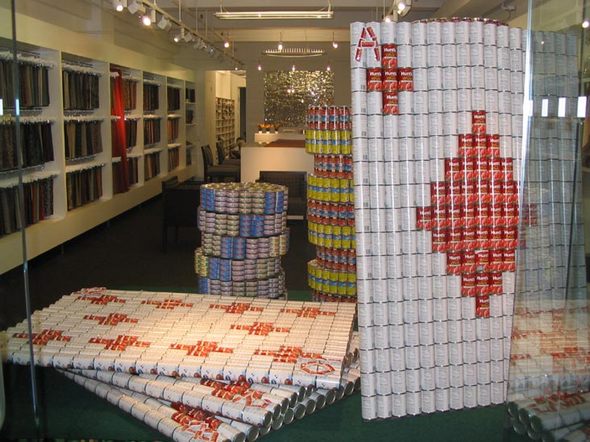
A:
{"x":413,"y":402}
{"x":497,"y":395}
{"x":412,"y":357}
{"x":383,"y":406}
{"x":413,"y":380}
{"x":455,"y":353}
{"x":426,"y":333}
{"x":469,"y":352}
{"x":453,"y":308}
{"x":440,"y":332}
{"x":497,"y":371}
{"x":428,"y":401}
{"x":470,"y":396}
{"x":442,"y":377}
{"x":441,"y":399}
{"x":441,"y":354}
{"x":398,"y":358}
{"x":440,"y":309}
{"x":483,"y":351}
{"x":398,"y":382}
{"x":456,"y":398}
{"x":483,"y":373}
{"x":399,"y":405}
{"x":426,"y":356}
{"x":425,"y":310}
{"x":469,"y":329}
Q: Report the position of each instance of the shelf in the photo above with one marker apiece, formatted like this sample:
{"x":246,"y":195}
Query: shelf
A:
{"x":153,"y":150}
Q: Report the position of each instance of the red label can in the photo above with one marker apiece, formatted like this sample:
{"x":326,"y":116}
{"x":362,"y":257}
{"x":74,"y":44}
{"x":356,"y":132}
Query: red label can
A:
{"x":468,"y":261}
{"x":482,"y":306}
{"x":468,"y":284}
{"x":478,"y":122}
{"x":405,"y":79}
{"x":389,"y":52}
{"x":390,"y":103}
{"x":482,"y":259}
{"x":390,"y":80}
{"x":493,"y":145}
{"x":482,"y":281}
{"x":454,"y":260}
{"x":374,"y":80}
{"x":469,"y":211}
{"x":423,"y":217}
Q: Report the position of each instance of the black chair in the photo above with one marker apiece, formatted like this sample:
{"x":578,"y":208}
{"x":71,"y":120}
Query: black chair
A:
{"x":297,"y":185}
{"x":222,"y":159}
{"x":179,"y":206}
{"x":220,"y":172}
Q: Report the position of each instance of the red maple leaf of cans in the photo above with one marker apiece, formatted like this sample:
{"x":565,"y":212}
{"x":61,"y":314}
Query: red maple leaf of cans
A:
{"x":236,"y":307}
{"x":307,"y":312}
{"x":261,"y":328}
{"x":201,"y":348}
{"x":168,"y":304}
{"x":120,"y":343}
{"x":44,"y":336}
{"x":287,"y":353}
{"x":101,"y":299}
{"x":474,"y":214}
{"x":111,"y":319}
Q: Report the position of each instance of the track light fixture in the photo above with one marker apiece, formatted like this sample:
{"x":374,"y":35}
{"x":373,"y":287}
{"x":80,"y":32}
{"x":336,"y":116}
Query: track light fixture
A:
{"x":188,"y":37}
{"x":328,"y":68}
{"x":325,"y":13}
{"x":149,"y":18}
{"x":334,"y":42}
{"x":259,"y":67}
{"x":280,"y":45}
{"x":164,"y":23}
{"x":293,"y":69}
{"x":179,"y":36}
{"x":586,"y":23}
{"x":136,"y":7}
{"x":402,"y":7}
{"x":226,"y":44}
{"x":119,"y":5}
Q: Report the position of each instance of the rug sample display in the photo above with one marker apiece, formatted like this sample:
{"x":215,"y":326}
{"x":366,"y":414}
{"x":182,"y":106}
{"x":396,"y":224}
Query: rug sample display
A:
{"x":330,"y":204}
{"x":243,"y":236}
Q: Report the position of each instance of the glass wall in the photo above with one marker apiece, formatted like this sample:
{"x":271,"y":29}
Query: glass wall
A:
{"x":549,"y":370}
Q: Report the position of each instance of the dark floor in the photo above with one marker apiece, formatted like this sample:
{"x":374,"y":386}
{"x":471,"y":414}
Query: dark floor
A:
{"x":126,"y":253}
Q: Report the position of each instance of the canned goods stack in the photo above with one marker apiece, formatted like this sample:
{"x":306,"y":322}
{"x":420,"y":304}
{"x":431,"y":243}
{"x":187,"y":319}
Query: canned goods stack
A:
{"x":197,"y":367}
{"x":243,"y":236}
{"x":330,"y":204}
{"x":437,"y":140}
{"x":560,"y":416}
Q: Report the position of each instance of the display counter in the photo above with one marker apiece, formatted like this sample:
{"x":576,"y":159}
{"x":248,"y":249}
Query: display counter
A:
{"x":256,"y":158}
{"x":269,"y":137}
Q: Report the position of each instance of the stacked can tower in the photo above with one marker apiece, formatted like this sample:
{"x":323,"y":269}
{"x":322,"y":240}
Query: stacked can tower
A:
{"x":437,"y":124}
{"x":243,"y":236}
{"x":330,"y":204}
{"x":549,"y":371}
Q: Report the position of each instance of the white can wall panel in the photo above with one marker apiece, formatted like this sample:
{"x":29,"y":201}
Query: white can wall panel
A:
{"x":243,"y":236}
{"x":437,"y":133}
{"x":330,"y":204}
{"x":174,"y":334}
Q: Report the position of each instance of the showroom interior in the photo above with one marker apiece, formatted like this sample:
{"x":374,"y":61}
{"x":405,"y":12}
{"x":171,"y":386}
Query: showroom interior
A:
{"x":225,"y":220}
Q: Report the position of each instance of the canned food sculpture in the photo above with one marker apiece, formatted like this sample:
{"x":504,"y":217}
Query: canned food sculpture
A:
{"x":437,"y":127}
{"x":243,"y":236}
{"x":330,"y":204}
{"x":196,"y":367}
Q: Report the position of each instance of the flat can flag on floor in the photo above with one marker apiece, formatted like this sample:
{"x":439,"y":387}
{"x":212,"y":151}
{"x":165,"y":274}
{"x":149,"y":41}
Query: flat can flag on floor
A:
{"x":176,"y":334}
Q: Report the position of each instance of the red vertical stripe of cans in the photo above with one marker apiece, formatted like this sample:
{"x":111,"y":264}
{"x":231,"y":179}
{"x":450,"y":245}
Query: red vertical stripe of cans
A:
{"x":493,"y":145}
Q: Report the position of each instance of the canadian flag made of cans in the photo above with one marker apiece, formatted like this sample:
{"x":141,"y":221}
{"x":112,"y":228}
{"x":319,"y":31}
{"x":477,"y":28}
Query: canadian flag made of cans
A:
{"x":437,"y":138}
